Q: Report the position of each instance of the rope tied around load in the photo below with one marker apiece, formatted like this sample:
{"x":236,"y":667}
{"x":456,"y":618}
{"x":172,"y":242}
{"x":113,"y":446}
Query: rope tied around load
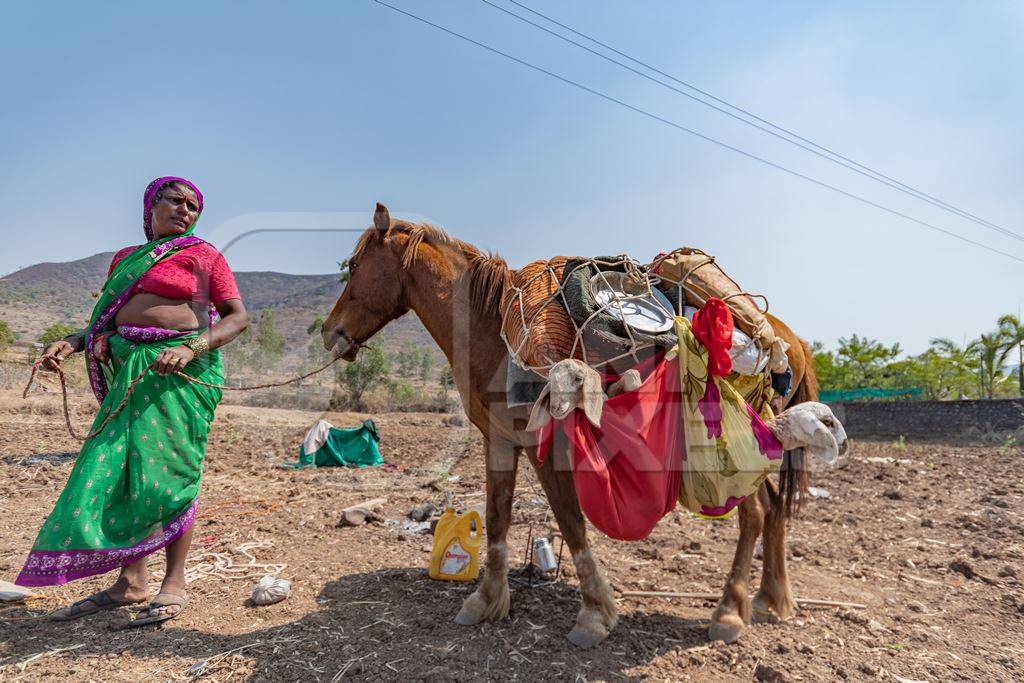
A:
{"x":550,"y":312}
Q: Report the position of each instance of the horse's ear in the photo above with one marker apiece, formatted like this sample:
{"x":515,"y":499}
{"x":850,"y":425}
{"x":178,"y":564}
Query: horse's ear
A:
{"x":381,"y":218}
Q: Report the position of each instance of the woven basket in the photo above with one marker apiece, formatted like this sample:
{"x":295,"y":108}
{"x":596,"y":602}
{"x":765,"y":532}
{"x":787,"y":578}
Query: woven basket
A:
{"x":537,"y":328}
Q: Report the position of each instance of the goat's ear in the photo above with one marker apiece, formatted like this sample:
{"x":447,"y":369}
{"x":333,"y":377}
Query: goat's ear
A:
{"x":593,"y":396}
{"x":631,"y":380}
{"x":540,"y":415}
{"x":381,"y":218}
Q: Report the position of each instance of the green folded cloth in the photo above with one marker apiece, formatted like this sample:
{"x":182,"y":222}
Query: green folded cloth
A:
{"x":328,"y":446}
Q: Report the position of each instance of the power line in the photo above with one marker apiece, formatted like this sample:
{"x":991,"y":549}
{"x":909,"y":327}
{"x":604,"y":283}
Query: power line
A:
{"x":799,"y":141}
{"x":840,"y":159}
{"x":706,"y":138}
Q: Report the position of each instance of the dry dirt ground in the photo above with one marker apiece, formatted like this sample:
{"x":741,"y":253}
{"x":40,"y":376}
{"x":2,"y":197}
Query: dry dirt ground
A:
{"x":929,"y":537}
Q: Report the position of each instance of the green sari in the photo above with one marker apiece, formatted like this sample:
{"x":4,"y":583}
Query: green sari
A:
{"x":134,"y":487}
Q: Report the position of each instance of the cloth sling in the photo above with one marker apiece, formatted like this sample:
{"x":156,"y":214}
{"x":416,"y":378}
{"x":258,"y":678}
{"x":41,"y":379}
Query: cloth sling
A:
{"x":685,"y":435}
{"x":626,"y":471}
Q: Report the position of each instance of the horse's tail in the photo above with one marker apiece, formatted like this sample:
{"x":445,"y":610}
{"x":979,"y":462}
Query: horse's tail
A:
{"x":794,"y":475}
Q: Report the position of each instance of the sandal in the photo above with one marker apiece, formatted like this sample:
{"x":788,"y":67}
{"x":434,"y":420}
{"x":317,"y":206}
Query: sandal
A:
{"x":146,"y":615}
{"x":99,"y":602}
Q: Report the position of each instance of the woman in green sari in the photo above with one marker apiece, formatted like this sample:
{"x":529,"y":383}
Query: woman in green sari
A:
{"x":166,"y":305}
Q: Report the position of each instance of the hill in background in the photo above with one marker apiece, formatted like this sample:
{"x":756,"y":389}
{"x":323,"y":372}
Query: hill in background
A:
{"x":38,"y":296}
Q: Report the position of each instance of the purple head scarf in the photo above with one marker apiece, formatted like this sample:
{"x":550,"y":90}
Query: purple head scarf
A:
{"x":152,"y":189}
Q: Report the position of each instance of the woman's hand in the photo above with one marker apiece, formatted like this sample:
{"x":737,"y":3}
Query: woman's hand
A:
{"x":55,"y":353}
{"x":101,"y":347}
{"x":173,"y":359}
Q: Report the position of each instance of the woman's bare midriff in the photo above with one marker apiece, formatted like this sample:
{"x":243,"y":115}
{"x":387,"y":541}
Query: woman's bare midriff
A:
{"x":150,"y":310}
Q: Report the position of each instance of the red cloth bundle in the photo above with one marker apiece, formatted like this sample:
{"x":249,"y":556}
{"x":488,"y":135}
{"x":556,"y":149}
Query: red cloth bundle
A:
{"x":627,"y":470}
{"x":712,"y":326}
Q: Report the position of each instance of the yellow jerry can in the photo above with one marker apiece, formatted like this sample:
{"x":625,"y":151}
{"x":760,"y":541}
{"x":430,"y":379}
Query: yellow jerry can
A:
{"x":456,"y":553}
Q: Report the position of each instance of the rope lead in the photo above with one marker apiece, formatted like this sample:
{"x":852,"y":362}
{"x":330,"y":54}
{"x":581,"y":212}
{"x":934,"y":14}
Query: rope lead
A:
{"x":135,"y":381}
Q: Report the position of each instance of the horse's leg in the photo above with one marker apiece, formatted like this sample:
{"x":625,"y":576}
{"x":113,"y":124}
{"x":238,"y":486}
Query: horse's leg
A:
{"x":733,"y":611}
{"x":774,"y":599}
{"x":491,"y":598}
{"x":597,"y":615}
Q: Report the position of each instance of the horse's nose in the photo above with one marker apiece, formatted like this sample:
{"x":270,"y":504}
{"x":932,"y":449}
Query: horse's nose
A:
{"x":330,"y":336}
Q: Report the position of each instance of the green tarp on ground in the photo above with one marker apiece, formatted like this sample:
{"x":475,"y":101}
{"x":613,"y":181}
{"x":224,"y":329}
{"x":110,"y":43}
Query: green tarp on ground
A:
{"x":328,"y":446}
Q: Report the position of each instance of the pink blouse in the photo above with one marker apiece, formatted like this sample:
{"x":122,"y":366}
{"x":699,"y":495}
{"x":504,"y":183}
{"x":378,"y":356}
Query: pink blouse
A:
{"x":198,"y":273}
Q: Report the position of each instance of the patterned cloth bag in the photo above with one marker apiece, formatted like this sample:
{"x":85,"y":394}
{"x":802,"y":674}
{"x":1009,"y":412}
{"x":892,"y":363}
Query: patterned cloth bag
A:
{"x":729,"y":449}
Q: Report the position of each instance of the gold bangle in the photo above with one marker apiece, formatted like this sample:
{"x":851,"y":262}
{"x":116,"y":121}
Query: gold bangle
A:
{"x":199,"y":345}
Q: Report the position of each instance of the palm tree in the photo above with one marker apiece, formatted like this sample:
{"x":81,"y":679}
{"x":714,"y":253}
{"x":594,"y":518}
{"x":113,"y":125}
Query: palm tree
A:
{"x":1012,"y":330}
{"x":962,"y":361}
{"x":990,"y":352}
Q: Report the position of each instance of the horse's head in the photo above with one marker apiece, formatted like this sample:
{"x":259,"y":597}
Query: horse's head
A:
{"x":374,"y":294}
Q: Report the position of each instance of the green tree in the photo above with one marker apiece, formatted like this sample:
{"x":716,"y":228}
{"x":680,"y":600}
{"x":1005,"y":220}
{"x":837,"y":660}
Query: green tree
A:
{"x":959,"y":366}
{"x":858,"y":363}
{"x":55,"y":332}
{"x":865,"y":360}
{"x":447,"y":380}
{"x":1012,"y":330}
{"x":991,"y":352}
{"x":6,"y":336}
{"x":316,"y":354}
{"x":426,"y":363}
{"x":403,"y":393}
{"x":408,"y":358}
{"x":831,"y":374}
{"x":269,"y":342}
{"x":370,"y":369}
{"x":946,"y":370}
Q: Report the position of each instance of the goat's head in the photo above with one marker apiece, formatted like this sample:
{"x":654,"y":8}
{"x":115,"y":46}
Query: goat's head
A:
{"x":571,"y":384}
{"x":814,"y":427}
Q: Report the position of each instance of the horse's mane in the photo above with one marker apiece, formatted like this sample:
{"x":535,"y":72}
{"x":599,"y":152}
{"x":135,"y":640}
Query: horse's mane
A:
{"x":489,"y":279}
{"x":488,"y":274}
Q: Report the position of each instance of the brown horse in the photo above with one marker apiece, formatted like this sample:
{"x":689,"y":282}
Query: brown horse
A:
{"x":455,"y":289}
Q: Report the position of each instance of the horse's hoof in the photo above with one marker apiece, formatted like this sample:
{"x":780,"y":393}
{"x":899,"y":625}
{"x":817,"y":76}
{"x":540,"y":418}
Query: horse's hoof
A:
{"x":591,"y":628}
{"x":764,"y":616}
{"x":586,"y":638}
{"x":467,"y":617}
{"x":472,"y":612}
{"x":727,"y":628}
{"x":764,"y":613}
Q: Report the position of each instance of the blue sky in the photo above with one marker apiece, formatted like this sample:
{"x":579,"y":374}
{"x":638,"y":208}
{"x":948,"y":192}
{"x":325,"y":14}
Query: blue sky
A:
{"x":306,"y":116}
